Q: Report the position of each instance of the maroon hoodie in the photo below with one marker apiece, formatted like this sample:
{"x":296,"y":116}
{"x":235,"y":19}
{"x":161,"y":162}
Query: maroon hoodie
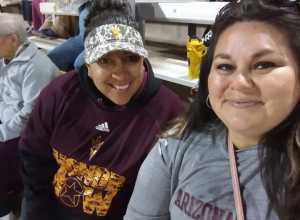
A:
{"x":81,"y":153}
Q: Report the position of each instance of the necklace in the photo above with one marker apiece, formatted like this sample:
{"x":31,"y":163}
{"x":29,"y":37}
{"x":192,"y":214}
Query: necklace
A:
{"x":235,"y":181}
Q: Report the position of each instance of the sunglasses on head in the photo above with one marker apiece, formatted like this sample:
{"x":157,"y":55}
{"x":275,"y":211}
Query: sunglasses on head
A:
{"x":287,"y":5}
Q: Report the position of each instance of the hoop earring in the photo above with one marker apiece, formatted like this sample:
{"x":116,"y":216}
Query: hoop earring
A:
{"x":297,"y":135}
{"x":207,"y":102}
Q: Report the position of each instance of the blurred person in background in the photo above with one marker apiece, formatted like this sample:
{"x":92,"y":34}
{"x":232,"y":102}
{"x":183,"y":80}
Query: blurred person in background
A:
{"x":24,"y":72}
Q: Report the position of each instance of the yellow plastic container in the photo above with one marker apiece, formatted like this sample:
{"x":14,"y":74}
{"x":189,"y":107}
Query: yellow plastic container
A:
{"x":195,"y":52}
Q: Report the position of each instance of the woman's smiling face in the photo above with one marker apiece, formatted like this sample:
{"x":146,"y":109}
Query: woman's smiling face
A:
{"x":118,"y":75}
{"x":254,"y":79}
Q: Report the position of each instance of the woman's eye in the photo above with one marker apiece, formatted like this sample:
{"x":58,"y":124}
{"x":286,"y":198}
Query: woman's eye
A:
{"x":225,"y":67}
{"x":264,"y":65}
{"x":132,"y":58}
{"x":103,"y":60}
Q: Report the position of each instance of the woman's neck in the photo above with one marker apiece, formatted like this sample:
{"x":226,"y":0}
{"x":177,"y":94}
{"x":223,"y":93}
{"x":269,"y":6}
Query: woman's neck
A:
{"x":241,"y":141}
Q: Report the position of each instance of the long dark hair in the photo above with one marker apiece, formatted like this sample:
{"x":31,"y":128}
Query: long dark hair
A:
{"x":280,"y":155}
{"x":109,"y":12}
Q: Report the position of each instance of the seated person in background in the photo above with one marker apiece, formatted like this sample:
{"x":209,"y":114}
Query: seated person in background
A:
{"x":24,"y":72}
{"x":37,"y":17}
{"x":73,"y":49}
{"x":247,"y":108}
{"x":90,"y":130}
{"x":59,"y":26}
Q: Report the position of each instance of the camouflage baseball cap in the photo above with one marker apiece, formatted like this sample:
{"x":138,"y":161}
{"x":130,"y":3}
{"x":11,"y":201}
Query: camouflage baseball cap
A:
{"x":111,"y":37}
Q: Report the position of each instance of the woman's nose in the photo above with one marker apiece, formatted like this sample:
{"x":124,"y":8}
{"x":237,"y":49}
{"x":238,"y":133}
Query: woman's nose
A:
{"x":242,"y":80}
{"x":119,"y":70}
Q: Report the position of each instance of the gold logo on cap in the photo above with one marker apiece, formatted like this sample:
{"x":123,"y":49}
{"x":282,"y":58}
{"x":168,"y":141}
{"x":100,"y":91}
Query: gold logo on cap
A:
{"x":116,"y":32}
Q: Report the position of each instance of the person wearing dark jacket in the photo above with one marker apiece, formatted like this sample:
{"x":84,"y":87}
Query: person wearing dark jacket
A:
{"x":90,"y":130}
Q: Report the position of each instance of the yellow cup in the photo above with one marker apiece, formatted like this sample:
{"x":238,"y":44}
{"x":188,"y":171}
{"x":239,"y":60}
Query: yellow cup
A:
{"x":195,"y":52}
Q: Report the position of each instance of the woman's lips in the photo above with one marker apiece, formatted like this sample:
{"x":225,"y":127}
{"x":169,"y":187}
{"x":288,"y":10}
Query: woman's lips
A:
{"x":244,"y":103}
{"x":121,"y":87}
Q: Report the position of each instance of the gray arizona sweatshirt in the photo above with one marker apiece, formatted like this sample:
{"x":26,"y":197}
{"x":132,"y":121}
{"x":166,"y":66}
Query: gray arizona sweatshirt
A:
{"x":184,"y":180}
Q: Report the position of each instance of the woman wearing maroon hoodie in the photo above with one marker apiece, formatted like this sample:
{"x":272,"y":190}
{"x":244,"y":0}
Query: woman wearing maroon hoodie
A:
{"x":90,"y":130}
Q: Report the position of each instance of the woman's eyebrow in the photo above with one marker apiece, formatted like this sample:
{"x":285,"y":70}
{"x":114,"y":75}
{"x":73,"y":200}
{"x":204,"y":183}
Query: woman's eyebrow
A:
{"x":262,"y":53}
{"x":222,"y":56}
{"x":256,"y":55}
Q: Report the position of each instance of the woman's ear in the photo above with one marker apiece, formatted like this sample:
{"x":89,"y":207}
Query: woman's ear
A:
{"x":15,"y":40}
{"x":143,"y":64}
{"x":88,"y":66}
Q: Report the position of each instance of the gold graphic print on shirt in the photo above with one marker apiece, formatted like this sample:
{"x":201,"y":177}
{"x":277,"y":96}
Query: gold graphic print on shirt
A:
{"x":78,"y":184}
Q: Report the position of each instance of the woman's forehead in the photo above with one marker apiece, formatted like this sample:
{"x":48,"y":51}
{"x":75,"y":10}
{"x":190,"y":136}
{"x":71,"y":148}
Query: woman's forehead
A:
{"x":253,"y":35}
